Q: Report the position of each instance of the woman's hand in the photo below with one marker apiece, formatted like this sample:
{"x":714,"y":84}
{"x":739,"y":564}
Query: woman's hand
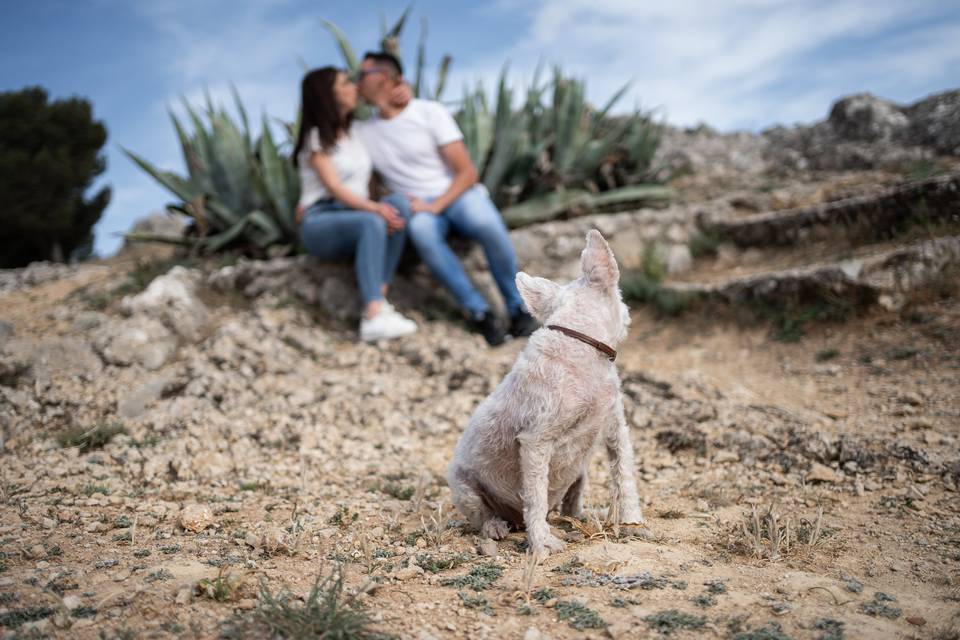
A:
{"x":298,"y":214}
{"x":395,"y":221}
{"x":417,"y":206}
{"x":401,"y":95}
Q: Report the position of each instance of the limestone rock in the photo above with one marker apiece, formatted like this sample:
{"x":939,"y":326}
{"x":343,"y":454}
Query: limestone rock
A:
{"x":54,"y":357}
{"x":196,"y":517}
{"x":137,"y":340}
{"x":134,"y":403}
{"x":678,"y":259}
{"x":935,"y":122}
{"x":823,"y":473}
{"x":864,"y":117}
{"x":172,"y":299}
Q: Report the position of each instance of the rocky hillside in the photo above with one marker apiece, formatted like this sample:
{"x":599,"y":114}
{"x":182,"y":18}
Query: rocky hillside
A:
{"x":187,"y":445}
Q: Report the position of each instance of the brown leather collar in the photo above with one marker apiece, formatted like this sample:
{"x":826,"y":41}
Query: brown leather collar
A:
{"x":605,"y":349}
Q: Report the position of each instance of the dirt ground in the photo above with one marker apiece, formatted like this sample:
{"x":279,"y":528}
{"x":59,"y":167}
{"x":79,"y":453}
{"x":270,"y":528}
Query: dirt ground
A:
{"x":801,"y":490}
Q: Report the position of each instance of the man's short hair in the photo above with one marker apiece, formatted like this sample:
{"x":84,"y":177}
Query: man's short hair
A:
{"x":388,"y":59}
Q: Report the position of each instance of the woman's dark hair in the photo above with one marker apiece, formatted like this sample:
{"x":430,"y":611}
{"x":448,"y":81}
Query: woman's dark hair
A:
{"x":319,"y":110}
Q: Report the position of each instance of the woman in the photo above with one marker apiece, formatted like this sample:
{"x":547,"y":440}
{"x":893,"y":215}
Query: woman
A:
{"x":339,"y":219}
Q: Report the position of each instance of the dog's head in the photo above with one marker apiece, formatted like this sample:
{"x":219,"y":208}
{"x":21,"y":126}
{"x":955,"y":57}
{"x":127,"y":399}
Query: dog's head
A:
{"x":591,"y":303}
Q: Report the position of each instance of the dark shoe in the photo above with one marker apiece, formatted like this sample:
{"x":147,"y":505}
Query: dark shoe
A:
{"x":522,"y":324}
{"x":486,"y":325}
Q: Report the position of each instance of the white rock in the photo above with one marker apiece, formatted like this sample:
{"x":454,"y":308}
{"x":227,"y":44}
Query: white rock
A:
{"x":196,"y":517}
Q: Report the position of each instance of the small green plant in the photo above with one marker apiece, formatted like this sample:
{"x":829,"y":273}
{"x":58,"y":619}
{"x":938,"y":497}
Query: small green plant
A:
{"x":479,"y":578}
{"x":704,"y":600}
{"x":160,"y":575}
{"x":703,"y":244}
{"x":224,"y":588}
{"x":398,"y":491}
{"x":569,"y":566}
{"x":476,"y":601}
{"x":15,"y":618}
{"x":90,"y":489}
{"x":716,"y":587}
{"x":434,"y":564}
{"x":826,"y":355}
{"x":879,"y":607}
{"x":89,"y":438}
{"x":832,"y":629}
{"x":580,"y":616}
{"x":343,"y":517}
{"x":543,"y":594}
{"x":671,"y":620}
{"x":326,"y":612}
{"x":637,"y":287}
{"x":771,"y":631}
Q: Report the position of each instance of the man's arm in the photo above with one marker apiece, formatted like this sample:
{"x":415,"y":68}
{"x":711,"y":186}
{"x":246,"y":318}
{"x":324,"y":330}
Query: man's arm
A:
{"x":464,"y":176}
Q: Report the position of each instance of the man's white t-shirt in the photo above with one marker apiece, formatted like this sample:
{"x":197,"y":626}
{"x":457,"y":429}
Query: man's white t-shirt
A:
{"x":349,"y":158}
{"x":406,"y":148}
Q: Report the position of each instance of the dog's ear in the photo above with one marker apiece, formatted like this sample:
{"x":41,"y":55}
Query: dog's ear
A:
{"x":598,"y":263}
{"x":539,"y":294}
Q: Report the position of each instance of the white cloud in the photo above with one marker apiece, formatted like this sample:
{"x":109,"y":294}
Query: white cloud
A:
{"x":735,"y":64}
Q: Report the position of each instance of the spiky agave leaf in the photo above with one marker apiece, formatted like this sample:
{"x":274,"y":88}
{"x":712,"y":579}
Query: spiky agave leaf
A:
{"x":229,"y":164}
{"x":273,"y":171}
{"x":442,"y":72}
{"x":349,"y":57}
{"x":418,"y":88}
{"x":508,"y":129}
{"x":391,"y":39}
{"x":242,"y":112}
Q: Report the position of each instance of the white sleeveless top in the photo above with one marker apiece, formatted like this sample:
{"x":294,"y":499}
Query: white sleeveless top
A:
{"x":351,"y":160}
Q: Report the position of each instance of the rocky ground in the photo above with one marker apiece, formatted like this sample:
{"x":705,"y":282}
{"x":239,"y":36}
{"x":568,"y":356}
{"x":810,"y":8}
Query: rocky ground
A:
{"x":186,"y":451}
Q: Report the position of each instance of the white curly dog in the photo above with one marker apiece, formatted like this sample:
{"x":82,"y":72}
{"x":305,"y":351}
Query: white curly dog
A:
{"x":526,"y":449}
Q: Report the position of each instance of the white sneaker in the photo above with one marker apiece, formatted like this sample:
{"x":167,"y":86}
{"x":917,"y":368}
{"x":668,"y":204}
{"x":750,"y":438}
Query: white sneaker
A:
{"x":386,"y":325}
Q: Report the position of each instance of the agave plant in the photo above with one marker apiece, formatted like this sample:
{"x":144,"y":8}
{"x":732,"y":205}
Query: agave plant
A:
{"x":239,"y":190}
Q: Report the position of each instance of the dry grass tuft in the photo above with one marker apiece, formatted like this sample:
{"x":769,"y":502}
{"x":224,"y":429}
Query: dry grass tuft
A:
{"x":773,"y":535}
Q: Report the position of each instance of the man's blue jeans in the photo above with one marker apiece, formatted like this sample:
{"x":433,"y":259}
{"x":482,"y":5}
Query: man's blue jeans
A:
{"x":331,"y":232}
{"x":474,"y":216}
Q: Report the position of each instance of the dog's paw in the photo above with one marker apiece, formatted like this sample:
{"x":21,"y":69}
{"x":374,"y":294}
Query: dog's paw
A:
{"x":495,"y":529}
{"x":544,"y":545}
{"x":636,"y":529}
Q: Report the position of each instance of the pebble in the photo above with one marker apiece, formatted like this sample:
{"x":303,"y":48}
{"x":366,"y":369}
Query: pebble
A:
{"x":184,"y":596}
{"x":408,"y":573}
{"x":196,"y":517}
{"x":246,"y":604}
{"x":725,"y":456}
{"x":823,"y":473}
{"x":72,"y":602}
{"x":93,"y":527}
{"x":488,"y":547}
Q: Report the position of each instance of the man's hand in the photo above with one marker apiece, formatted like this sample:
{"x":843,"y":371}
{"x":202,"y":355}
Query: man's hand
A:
{"x":386,"y":211}
{"x":418,"y":206}
{"x":401,"y":95}
{"x":298,"y":214}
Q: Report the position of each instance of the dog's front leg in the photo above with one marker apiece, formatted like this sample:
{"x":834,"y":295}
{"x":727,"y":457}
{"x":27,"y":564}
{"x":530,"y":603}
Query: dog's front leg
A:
{"x":534,"y":477}
{"x":620,"y":452}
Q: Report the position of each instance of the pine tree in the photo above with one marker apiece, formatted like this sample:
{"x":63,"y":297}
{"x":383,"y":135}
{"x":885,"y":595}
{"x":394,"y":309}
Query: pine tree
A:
{"x":49,"y":157}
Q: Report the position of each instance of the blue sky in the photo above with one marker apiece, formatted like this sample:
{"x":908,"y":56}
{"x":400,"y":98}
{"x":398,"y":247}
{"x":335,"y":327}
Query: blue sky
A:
{"x":738,"y":64}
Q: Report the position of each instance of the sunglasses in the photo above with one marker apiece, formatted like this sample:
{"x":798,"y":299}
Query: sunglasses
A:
{"x":360,"y":74}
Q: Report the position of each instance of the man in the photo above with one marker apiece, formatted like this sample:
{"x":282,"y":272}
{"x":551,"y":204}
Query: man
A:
{"x":419,"y":151}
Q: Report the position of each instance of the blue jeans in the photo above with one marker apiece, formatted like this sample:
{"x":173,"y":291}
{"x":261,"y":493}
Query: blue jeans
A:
{"x":474,"y":216}
{"x":329,"y":231}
